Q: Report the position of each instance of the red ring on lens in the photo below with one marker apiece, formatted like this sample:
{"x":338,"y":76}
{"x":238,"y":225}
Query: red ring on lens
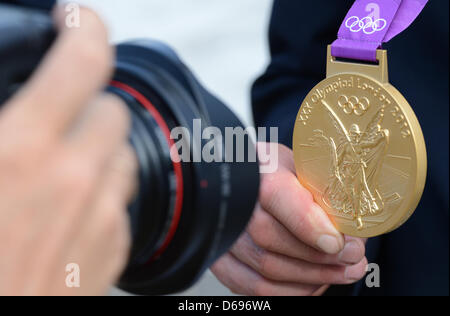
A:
{"x":176,"y":161}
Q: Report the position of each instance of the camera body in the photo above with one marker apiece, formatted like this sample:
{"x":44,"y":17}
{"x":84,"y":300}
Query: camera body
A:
{"x":187,"y":212}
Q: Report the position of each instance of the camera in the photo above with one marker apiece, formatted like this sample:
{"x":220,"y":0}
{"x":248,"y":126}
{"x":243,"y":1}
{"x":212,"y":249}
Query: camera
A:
{"x":187,"y":212}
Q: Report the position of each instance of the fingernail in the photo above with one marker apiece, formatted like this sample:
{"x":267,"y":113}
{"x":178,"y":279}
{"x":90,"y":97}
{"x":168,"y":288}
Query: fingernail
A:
{"x":356,"y":272}
{"x":328,"y":244}
{"x":351,"y":254}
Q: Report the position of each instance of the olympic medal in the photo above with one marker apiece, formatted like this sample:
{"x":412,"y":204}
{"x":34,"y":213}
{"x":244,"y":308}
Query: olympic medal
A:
{"x":359,"y":149}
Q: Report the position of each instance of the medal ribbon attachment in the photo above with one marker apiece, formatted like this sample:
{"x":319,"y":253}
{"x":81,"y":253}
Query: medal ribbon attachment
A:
{"x":370,"y":23}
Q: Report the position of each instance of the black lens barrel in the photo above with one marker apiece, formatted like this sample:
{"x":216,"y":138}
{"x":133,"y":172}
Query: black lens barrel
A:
{"x":219,"y":197}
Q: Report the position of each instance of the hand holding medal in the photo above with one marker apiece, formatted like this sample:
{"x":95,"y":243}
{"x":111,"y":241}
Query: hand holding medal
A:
{"x":358,"y":146}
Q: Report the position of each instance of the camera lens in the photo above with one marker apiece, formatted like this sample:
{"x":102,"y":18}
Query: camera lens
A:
{"x":188,"y":210}
{"x":186,"y":213}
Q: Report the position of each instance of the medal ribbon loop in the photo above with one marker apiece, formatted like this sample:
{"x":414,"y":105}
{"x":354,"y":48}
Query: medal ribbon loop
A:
{"x":370,"y":23}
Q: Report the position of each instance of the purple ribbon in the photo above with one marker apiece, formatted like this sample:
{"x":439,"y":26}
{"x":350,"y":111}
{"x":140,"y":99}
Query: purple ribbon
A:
{"x":370,"y":23}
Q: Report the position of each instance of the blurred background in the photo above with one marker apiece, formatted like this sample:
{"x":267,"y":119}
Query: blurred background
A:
{"x":223,"y":42}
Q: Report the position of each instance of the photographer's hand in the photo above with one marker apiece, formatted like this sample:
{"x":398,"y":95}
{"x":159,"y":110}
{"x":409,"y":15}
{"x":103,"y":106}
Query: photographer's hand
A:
{"x":66,"y":172}
{"x":290,"y":246}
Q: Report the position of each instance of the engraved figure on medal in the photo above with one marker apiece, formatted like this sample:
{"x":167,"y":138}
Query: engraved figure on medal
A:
{"x":356,"y":158}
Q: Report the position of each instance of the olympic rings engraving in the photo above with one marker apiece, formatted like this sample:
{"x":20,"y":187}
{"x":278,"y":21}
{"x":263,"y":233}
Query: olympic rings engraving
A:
{"x":367,"y":24}
{"x":353,"y":104}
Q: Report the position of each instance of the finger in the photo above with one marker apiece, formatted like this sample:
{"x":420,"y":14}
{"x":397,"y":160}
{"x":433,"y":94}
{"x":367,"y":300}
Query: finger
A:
{"x":101,"y":250}
{"x":321,"y":291}
{"x":101,"y":130}
{"x":354,"y":250}
{"x":281,"y":268}
{"x":77,"y":66}
{"x":362,"y":240}
{"x":93,"y":232}
{"x":276,"y":154}
{"x":102,"y":246}
{"x":292,"y":205}
{"x":240,"y":279}
{"x":122,"y":174}
{"x":267,"y":233}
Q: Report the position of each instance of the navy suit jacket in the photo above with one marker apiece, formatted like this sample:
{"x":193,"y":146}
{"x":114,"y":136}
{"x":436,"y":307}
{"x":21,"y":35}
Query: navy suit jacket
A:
{"x":414,"y":260}
{"x":39,"y":4}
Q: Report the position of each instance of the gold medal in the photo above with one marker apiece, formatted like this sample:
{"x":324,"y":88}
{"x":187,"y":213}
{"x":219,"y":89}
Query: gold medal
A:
{"x":359,"y":149}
